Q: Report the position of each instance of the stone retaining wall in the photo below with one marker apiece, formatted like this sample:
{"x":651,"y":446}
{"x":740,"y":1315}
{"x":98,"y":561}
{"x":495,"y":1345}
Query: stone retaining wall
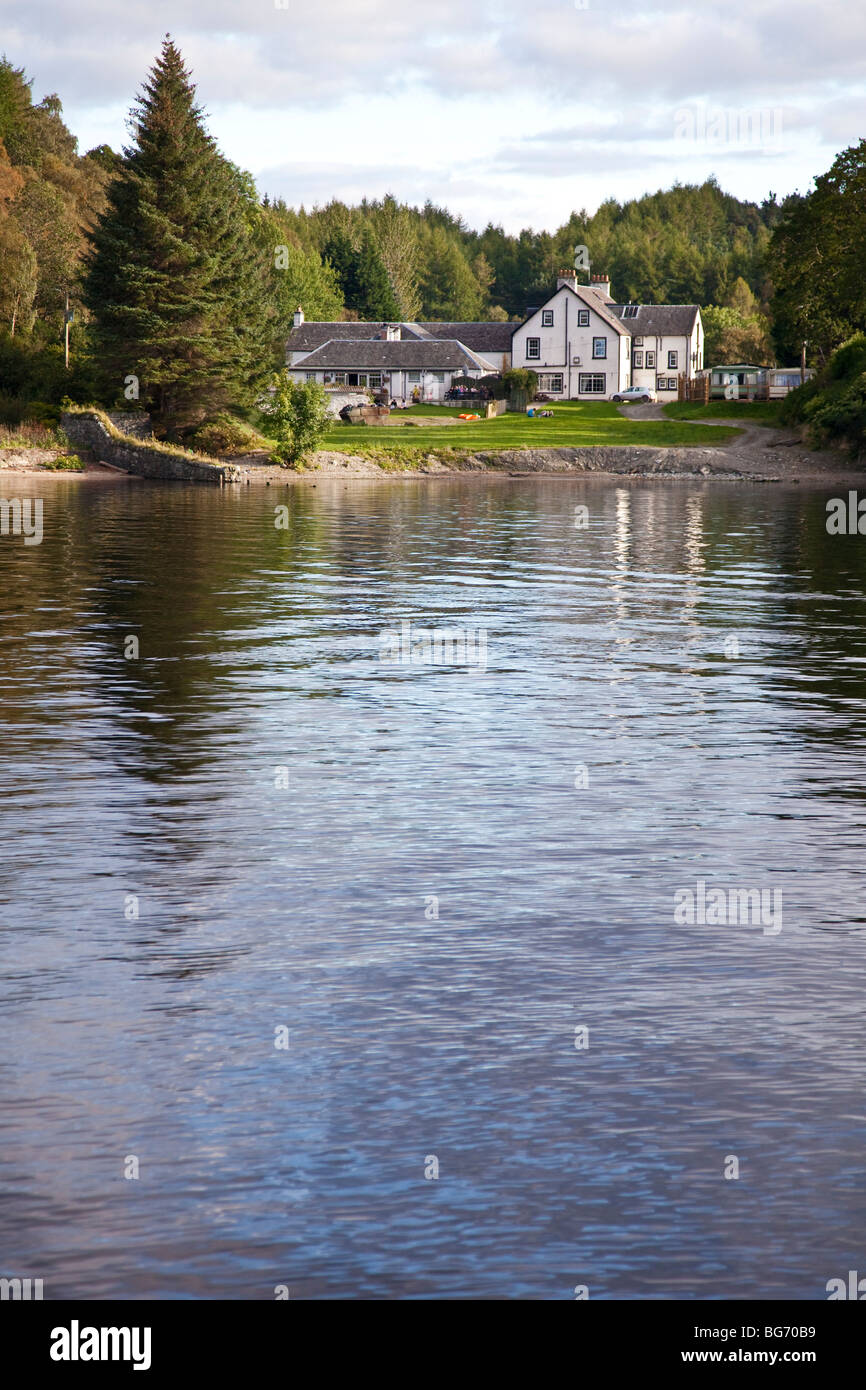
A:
{"x":88,"y":432}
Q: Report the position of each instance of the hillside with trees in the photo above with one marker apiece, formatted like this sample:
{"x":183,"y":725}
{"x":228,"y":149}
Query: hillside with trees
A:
{"x":177,"y":273}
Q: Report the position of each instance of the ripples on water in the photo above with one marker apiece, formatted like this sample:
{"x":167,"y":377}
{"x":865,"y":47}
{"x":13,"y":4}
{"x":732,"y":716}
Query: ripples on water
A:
{"x":412,"y":1036}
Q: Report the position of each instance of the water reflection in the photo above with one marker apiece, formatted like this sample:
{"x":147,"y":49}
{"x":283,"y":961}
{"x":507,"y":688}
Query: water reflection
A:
{"x":167,"y":903}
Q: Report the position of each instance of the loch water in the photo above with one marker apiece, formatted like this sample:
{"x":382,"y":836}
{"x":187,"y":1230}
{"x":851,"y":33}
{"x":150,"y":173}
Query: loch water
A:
{"x":287,"y":928}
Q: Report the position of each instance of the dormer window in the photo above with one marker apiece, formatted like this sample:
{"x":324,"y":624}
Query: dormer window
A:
{"x":630,"y":311}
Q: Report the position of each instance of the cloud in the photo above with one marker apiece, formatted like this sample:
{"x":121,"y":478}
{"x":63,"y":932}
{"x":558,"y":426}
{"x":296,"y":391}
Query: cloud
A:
{"x":328,"y":91}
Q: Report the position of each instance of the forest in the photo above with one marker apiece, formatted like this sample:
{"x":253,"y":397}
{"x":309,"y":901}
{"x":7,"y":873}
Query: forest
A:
{"x":227,"y":264}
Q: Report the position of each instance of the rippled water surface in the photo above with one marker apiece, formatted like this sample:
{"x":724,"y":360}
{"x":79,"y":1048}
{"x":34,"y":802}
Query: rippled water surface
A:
{"x":167,"y":903}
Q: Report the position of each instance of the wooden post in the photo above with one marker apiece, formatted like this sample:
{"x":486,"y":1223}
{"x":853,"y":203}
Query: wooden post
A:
{"x":803,"y":364}
{"x":66,"y":336}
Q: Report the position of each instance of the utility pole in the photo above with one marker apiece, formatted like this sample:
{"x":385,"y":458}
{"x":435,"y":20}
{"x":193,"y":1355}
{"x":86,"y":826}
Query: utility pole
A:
{"x":68,"y":317}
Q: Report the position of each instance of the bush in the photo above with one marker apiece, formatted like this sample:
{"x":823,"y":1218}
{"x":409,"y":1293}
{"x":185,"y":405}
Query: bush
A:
{"x":12,"y":409}
{"x":849,"y":360}
{"x":520,"y":380}
{"x":226,"y":435}
{"x":833,"y":404}
{"x":300,"y":420}
{"x":41,"y":413}
{"x":68,"y":463}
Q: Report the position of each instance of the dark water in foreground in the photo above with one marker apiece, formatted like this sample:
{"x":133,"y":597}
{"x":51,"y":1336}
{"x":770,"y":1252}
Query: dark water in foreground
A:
{"x":410,"y":1036}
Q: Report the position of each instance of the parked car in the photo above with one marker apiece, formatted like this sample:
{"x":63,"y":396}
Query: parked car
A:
{"x":640,"y":394}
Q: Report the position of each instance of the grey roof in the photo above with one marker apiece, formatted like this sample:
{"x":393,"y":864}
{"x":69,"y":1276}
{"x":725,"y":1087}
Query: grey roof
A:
{"x":434,"y":354}
{"x":478,"y":337}
{"x":660,"y":320}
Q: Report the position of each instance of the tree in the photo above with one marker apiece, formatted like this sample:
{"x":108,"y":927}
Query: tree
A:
{"x":816,"y":257}
{"x":397,"y":240}
{"x":297,"y":277}
{"x":339,"y":253}
{"x":376,"y":298}
{"x":175,"y":282}
{"x":299,"y":414}
{"x":730,"y":336}
{"x":18,"y":282}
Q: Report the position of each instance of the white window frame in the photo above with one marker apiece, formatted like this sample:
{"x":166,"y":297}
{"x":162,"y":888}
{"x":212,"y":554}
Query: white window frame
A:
{"x":546,"y":380}
{"x":583,"y":318}
{"x":672,"y":359}
{"x":596,"y":355}
{"x":638,"y":357}
{"x":533,"y":349}
{"x":584,"y":390}
{"x":650,"y":358}
{"x":547,"y":318}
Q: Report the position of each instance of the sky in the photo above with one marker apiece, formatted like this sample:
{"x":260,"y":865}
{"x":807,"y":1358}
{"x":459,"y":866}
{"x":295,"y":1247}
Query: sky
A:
{"x":514,"y":112}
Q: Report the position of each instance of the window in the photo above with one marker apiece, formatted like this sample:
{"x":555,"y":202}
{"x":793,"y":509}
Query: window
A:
{"x":413,"y":376}
{"x":638,"y":342}
{"x":666,"y":383}
{"x":672,"y":360}
{"x":311,"y":376}
{"x":591,"y":383}
{"x":356,"y":378}
{"x":547,"y":318}
{"x":375,"y":380}
{"x":583,"y":318}
{"x":533,"y":348}
{"x":550,"y":381}
{"x":638,"y":358}
{"x":599,"y":347}
{"x":437,"y":376}
{"x":650,"y":359}
{"x":630,"y":311}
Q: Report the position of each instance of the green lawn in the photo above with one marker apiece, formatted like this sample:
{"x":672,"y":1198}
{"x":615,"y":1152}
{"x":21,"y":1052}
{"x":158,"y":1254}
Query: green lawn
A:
{"x":758,"y":412}
{"x":575,"y":424}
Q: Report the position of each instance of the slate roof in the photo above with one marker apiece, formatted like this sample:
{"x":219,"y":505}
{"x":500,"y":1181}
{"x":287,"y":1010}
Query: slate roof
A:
{"x":487,"y":338}
{"x":478,"y":337}
{"x":432,"y":354}
{"x":659,"y":320}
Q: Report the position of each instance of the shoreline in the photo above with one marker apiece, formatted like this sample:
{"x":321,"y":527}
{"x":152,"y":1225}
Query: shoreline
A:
{"x":757,"y":455}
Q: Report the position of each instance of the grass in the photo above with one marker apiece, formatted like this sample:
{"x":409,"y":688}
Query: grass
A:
{"x":574,"y":424}
{"x":31,"y":435}
{"x":756,"y":412}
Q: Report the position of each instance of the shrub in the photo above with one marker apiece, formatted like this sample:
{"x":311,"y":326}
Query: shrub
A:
{"x":522,"y":380}
{"x":68,"y":463}
{"x":41,"y":413}
{"x":226,"y":435}
{"x":300,"y":419}
{"x":833,"y":404}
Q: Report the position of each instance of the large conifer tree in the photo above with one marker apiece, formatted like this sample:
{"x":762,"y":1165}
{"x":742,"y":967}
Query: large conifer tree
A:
{"x":175,"y":282}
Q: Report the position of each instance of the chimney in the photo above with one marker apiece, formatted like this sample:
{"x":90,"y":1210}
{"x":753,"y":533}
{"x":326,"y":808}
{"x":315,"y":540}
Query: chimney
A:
{"x":298,"y":317}
{"x":602,"y":283}
{"x":566,"y":277}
